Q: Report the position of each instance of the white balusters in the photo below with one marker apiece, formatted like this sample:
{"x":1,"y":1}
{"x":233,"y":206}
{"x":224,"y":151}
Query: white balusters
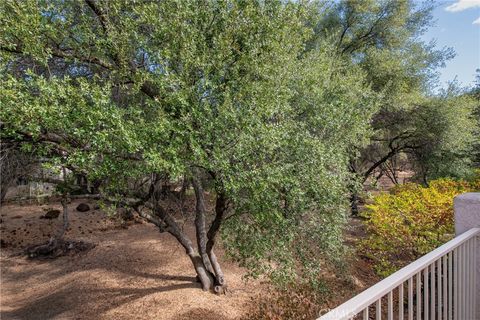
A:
{"x":439,"y":289}
{"x":440,"y":285}
{"x":425,"y":294}
{"x":445,"y":288}
{"x":365,"y":314}
{"x":456,"y":293}
{"x":378,"y":309}
{"x":450,"y":285}
{"x":410,"y":298}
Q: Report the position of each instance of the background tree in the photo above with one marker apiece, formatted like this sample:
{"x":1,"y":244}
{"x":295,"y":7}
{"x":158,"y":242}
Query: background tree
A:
{"x":445,"y":136}
{"x":15,"y":164}
{"x":383,"y":39}
{"x":475,"y":93}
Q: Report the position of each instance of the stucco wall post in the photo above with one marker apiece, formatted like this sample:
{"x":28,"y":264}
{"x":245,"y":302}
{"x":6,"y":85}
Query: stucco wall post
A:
{"x":467,"y":215}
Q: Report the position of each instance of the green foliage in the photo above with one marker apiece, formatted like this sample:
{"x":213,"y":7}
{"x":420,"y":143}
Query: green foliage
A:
{"x":444,"y":136}
{"x":475,"y":95}
{"x":410,"y":221}
{"x":226,"y":87}
{"x":297,"y":204}
{"x":382,"y":38}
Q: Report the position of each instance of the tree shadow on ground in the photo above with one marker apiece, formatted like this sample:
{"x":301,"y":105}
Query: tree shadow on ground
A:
{"x":113,"y":260}
{"x":92,"y":302}
{"x":136,"y":266}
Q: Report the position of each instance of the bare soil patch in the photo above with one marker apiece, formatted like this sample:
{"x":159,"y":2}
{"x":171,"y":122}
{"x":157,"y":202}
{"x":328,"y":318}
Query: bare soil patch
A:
{"x":131,"y":273}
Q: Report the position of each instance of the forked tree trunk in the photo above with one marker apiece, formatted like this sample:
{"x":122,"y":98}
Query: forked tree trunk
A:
{"x":220,"y":210}
{"x":204,"y":261}
{"x":167,"y":223}
{"x":201,"y":232}
{"x":206,"y":240}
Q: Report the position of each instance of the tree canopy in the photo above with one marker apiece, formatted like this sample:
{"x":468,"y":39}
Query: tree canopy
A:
{"x":223,"y":93}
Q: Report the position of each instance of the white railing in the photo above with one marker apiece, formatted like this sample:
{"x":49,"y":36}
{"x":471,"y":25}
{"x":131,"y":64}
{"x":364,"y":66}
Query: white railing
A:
{"x":439,"y":285}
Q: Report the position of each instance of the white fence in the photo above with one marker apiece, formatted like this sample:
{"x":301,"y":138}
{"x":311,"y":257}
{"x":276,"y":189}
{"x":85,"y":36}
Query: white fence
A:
{"x":440,"y":285}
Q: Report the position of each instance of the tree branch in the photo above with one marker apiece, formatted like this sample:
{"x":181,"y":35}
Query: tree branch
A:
{"x":99,"y":13}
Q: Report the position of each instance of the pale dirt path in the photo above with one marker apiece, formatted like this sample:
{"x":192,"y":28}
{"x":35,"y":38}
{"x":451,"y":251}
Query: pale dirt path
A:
{"x":134,"y":273}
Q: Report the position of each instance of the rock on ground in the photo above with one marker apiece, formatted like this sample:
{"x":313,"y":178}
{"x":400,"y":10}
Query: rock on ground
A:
{"x":83,"y":207}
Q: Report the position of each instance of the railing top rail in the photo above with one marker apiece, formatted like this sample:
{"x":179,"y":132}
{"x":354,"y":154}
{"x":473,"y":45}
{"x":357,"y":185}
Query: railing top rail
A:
{"x":355,"y":305}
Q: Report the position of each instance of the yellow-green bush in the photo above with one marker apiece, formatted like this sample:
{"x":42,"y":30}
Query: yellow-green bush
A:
{"x":410,"y":221}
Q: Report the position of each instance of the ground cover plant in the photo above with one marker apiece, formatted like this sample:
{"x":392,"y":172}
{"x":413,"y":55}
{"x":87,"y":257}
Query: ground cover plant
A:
{"x":411,"y":220}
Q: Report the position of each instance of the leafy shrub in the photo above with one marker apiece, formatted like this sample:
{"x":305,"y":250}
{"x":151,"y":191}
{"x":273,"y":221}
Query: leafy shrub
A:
{"x":410,"y":221}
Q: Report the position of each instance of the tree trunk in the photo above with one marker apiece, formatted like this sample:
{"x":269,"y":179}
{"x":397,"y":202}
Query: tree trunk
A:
{"x":167,"y":223}
{"x":204,"y":261}
{"x":354,"y":204}
{"x":95,"y":186}
{"x":353,"y":191}
{"x":56,"y":245}
{"x":201,"y":232}
{"x":3,"y":192}
{"x":5,"y":184}
{"x":183,"y":190}
{"x":65,"y":218}
{"x":206,"y":241}
{"x":220,"y":210}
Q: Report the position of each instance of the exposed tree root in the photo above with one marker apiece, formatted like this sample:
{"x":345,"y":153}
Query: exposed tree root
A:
{"x":55,"y":248}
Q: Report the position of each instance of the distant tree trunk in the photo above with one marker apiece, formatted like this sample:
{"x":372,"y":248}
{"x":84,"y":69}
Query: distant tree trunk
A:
{"x":95,"y":186}
{"x":354,"y":204}
{"x":183,"y":190}
{"x":3,"y":190}
{"x":13,"y":165}
{"x":55,"y":242}
{"x":353,"y":192}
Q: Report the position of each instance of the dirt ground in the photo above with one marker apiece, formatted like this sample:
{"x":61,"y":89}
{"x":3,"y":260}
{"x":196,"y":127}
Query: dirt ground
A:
{"x":131,"y":273}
